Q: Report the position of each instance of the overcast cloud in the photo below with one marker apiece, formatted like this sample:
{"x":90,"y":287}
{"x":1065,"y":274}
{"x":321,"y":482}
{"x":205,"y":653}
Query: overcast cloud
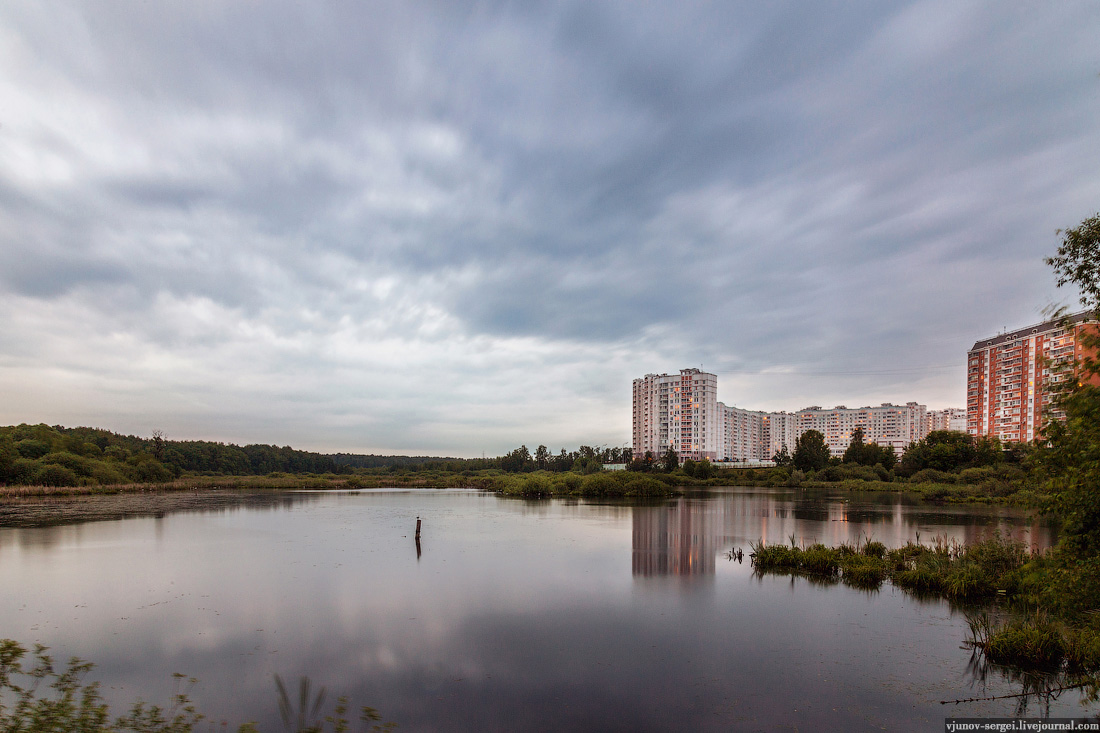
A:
{"x":449,"y":228}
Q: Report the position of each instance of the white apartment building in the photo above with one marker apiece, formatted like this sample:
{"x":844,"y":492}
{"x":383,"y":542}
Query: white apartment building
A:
{"x":953,"y":418}
{"x":751,"y":435}
{"x":677,"y":411}
{"x":780,"y":431}
{"x":887,"y":425}
{"x":682,"y":411}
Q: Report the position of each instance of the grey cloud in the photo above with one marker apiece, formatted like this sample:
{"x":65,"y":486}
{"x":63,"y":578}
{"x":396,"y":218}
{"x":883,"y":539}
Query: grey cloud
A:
{"x":796,"y":184}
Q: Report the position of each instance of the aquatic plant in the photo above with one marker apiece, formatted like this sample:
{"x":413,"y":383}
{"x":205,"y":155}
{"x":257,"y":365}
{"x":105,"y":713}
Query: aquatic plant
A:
{"x":863,"y":571}
{"x":1035,"y":642}
{"x":43,"y":699}
{"x":874,"y":549}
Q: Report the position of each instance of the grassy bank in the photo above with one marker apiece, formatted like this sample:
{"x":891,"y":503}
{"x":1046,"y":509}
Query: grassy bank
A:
{"x":605,"y":484}
{"x":538,"y":483}
{"x":1036,"y":630}
{"x":271,"y":481}
{"x":998,"y":485}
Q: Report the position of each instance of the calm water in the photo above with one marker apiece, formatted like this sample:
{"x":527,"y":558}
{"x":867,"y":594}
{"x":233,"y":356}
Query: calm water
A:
{"x":541,"y":615}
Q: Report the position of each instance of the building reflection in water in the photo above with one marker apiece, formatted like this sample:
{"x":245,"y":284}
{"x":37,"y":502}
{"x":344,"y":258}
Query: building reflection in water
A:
{"x":680,"y":538}
{"x":685,"y":536}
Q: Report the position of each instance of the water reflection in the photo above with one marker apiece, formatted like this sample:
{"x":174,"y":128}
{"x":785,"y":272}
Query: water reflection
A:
{"x":685,"y":535}
{"x":549,"y":614}
{"x":682,"y":538}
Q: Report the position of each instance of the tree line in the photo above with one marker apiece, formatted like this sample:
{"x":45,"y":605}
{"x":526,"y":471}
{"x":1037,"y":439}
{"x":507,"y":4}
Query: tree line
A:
{"x":47,"y":455}
{"x":58,"y":456}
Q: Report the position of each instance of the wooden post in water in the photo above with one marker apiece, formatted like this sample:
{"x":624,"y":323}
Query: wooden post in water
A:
{"x":418,"y":528}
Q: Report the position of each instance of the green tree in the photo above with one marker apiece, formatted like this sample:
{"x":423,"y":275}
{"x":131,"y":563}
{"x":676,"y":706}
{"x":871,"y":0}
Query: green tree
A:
{"x":855,"y":451}
{"x":8,"y":454}
{"x":517,"y":460}
{"x":950,"y":451}
{"x":670,"y":461}
{"x":883,"y":455}
{"x":542,"y":457}
{"x":704,"y":469}
{"x":1069,"y":453}
{"x":688,"y":467}
{"x":1078,"y":260}
{"x":811,"y":453}
{"x":587,"y":465}
{"x":782,"y":458}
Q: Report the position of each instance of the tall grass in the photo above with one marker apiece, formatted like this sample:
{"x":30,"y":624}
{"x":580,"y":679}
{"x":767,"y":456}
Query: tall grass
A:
{"x":961,"y":573}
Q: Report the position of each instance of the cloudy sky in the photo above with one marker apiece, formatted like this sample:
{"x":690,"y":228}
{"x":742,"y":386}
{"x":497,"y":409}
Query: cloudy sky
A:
{"x":447,"y":228}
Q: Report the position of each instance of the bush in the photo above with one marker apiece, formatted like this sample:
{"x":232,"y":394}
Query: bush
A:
{"x":976,"y":475}
{"x":570,"y":482}
{"x":535,"y":484}
{"x":79,"y":465}
{"x":932,"y":476}
{"x":151,"y":471}
{"x":777,"y":477}
{"x":601,"y":484}
{"x":52,"y":474}
{"x":644,"y":486}
{"x":32,"y":449}
{"x":107,"y":474}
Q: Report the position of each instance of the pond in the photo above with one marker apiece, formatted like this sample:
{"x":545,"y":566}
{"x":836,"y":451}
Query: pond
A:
{"x":510,"y":614}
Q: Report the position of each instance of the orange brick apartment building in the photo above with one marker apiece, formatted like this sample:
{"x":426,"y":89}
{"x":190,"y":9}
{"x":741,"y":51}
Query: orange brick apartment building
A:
{"x":1009,"y":377}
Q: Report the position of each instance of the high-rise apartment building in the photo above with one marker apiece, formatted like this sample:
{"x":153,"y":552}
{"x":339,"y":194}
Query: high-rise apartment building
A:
{"x":1008,"y":377}
{"x":751,"y":435}
{"x":682,"y":412}
{"x":888,"y":425}
{"x":677,"y":411}
{"x":953,"y":418}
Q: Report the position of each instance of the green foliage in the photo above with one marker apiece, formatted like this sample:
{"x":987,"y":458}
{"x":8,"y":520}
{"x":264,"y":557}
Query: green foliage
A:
{"x":1036,"y":643}
{"x":670,"y":461}
{"x":99,"y":457}
{"x":874,"y":549}
{"x":603,"y":484}
{"x":864,"y":571}
{"x":32,"y":449}
{"x":688,"y":467}
{"x":1078,"y":260}
{"x":52,"y":474}
{"x":868,"y":454}
{"x":949,"y":451}
{"x":50,"y":701}
{"x":41,"y":699}
{"x":587,"y":466}
{"x":811,"y":453}
{"x":8,"y":456}
{"x":962,"y":573}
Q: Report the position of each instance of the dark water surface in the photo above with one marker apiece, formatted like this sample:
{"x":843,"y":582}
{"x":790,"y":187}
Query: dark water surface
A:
{"x":528,"y":615}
